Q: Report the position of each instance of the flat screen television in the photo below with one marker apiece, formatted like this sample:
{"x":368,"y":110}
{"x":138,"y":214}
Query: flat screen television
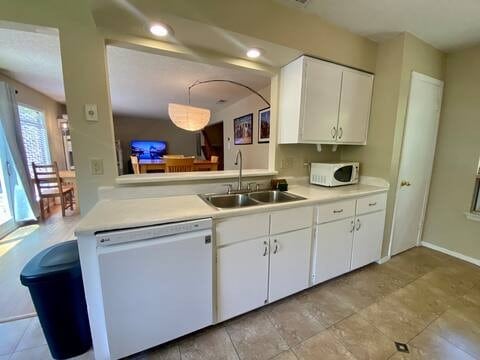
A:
{"x":148,"y":149}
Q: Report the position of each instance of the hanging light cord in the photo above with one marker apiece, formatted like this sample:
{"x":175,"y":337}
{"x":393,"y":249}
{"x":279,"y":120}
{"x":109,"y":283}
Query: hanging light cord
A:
{"x":227,"y":81}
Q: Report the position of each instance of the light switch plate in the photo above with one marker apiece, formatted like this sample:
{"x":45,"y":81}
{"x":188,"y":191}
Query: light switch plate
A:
{"x":91,"y":113}
{"x":96,"y":166}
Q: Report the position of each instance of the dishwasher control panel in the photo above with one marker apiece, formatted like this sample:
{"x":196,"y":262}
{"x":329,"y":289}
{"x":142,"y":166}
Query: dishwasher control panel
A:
{"x":151,"y":232}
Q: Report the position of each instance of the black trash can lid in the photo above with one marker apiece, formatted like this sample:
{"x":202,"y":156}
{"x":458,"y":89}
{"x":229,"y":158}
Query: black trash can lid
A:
{"x":56,"y":262}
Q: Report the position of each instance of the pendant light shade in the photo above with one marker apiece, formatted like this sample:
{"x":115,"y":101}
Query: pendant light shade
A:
{"x":188,"y":117}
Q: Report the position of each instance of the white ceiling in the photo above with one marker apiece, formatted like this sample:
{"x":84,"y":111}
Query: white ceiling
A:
{"x":143,"y":83}
{"x":33,"y":58}
{"x":445,"y":24}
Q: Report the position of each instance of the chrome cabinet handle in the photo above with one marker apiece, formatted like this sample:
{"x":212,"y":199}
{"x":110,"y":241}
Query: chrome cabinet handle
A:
{"x":405,"y":183}
{"x":359,"y":225}
{"x":334,"y":132}
{"x":372,"y":204}
{"x":353,"y":226}
{"x":275,"y":249}
{"x":341,"y":132}
{"x":337,"y":211}
{"x":265,"y":250}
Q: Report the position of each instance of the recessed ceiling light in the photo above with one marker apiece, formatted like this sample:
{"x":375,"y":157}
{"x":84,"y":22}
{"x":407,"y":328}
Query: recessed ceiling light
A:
{"x":159,"y":30}
{"x":254,"y":53}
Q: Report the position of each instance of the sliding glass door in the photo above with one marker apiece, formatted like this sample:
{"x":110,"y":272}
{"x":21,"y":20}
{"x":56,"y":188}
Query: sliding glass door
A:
{"x":7,"y":222}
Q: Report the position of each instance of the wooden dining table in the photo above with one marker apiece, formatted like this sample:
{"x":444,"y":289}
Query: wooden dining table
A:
{"x":159,"y":165}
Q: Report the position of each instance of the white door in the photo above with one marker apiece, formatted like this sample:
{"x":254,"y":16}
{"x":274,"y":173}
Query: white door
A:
{"x":333,"y":249}
{"x":416,"y":162}
{"x":321,"y":99}
{"x":367,"y":239}
{"x":242,"y":277}
{"x":289,"y":263}
{"x":355,"y":101}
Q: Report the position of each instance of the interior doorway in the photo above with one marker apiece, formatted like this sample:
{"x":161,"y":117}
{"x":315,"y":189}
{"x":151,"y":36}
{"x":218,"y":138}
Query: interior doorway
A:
{"x":418,"y":151}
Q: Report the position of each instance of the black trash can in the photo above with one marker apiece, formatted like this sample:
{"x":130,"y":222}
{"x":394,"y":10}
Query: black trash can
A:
{"x":54,"y":279}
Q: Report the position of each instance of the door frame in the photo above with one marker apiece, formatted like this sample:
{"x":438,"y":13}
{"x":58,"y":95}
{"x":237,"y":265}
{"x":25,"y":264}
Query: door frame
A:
{"x":416,"y":76}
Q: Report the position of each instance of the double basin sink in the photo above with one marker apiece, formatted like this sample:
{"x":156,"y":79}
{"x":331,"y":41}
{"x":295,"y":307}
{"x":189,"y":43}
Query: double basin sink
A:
{"x":230,"y":201}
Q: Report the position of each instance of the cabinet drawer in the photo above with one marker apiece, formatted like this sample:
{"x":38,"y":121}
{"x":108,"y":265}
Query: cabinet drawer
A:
{"x":239,"y":228}
{"x":335,"y":211}
{"x":291,"y":219}
{"x":371,"y":203}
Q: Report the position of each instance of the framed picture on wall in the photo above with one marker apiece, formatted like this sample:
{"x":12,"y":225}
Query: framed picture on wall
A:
{"x":264,"y":125}
{"x":243,"y":130}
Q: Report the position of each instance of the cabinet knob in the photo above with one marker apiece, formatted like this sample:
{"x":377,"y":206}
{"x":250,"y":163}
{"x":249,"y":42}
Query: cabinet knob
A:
{"x":275,"y":249}
{"x":359,"y":225}
{"x":265,"y":250}
{"x":334,"y":132}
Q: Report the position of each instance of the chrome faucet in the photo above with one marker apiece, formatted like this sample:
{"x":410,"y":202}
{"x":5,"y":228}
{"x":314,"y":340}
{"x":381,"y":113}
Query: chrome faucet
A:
{"x":240,"y":166}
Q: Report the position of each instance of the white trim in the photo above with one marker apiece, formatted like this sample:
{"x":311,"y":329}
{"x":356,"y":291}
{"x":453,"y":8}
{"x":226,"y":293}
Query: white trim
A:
{"x":190,"y":176}
{"x":439,"y":83}
{"x":471,"y":216}
{"x":451,"y":253}
{"x":383,"y":260}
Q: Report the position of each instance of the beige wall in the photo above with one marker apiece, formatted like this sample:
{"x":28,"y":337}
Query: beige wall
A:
{"x":28,"y":96}
{"x":84,"y":64}
{"x":128,"y":128}
{"x":456,"y":159}
{"x":396,"y":60}
{"x":255,"y":156}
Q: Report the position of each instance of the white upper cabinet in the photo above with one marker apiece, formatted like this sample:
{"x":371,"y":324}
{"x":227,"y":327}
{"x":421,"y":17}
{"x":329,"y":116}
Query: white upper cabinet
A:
{"x":320,"y":101}
{"x":355,"y":99}
{"x":323,"y":103}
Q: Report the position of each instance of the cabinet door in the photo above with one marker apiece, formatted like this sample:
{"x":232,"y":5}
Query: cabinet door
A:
{"x":333,"y":249}
{"x":321,"y":100}
{"x":242,"y":277}
{"x":367,"y":239}
{"x":355,"y":103}
{"x":289,"y":263}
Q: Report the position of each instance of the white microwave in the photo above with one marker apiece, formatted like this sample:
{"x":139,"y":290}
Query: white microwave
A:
{"x":334,"y":174}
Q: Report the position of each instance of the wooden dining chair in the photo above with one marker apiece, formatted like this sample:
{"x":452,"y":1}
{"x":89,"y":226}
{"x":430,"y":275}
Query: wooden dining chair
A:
{"x":135,"y":165}
{"x":49,"y":186}
{"x":184,"y":164}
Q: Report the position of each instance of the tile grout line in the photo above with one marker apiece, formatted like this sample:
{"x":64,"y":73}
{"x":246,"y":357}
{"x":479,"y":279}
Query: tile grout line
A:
{"x":233,"y":344}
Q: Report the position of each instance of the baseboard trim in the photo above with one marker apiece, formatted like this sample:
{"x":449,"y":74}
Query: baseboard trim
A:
{"x":451,"y":253}
{"x":383,"y":260}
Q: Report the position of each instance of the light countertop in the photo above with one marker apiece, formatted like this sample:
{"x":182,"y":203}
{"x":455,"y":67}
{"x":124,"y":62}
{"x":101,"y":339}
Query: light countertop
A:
{"x":120,"y":214}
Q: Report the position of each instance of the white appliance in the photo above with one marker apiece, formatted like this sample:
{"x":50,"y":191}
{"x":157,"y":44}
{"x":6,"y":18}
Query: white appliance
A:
{"x":334,"y":174}
{"x":156,"y":283}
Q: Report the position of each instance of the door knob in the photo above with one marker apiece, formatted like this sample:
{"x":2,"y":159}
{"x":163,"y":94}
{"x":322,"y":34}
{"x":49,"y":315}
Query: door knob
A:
{"x":405,"y":183}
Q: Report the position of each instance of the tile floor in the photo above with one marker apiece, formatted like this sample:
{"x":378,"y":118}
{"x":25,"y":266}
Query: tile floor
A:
{"x":424,"y":298}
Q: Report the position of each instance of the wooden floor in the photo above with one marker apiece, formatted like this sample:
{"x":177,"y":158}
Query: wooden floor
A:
{"x":17,"y":248}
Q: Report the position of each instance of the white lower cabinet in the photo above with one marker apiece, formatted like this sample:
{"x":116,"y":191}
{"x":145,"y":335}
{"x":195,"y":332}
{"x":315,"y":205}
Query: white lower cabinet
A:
{"x":333,"y":249}
{"x":242,"y":277}
{"x":367,"y":242}
{"x":289,"y":263}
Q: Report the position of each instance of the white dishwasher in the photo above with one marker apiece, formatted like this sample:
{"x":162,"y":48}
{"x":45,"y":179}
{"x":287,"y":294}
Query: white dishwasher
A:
{"x":156,"y":283}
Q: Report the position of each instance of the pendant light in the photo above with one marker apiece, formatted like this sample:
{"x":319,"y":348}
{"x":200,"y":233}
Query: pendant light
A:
{"x":193,"y":118}
{"x":188,"y":117}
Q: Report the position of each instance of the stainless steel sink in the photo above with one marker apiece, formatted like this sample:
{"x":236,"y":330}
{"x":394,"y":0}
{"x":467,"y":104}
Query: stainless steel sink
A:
{"x":273,"y":196}
{"x":230,"y":201}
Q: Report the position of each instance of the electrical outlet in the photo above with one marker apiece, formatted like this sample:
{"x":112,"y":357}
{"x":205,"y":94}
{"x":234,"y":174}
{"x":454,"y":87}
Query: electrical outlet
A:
{"x":96,"y":166}
{"x":287,"y":163}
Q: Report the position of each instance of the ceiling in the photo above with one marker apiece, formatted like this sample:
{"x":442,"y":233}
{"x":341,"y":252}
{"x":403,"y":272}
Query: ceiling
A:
{"x":33,"y":58}
{"x":446,"y":24}
{"x":142,"y":84}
